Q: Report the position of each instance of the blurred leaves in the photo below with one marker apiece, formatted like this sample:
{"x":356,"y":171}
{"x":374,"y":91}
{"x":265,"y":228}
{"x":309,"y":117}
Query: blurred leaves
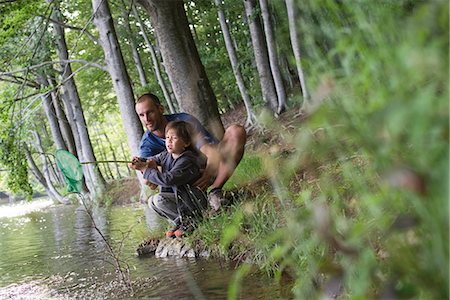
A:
{"x":371,"y":217}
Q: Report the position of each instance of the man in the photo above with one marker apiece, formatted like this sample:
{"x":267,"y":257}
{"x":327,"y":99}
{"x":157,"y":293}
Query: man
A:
{"x":222,"y":157}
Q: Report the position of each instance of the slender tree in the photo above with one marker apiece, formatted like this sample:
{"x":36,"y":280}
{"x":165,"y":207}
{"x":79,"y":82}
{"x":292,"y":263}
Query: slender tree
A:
{"x":183,"y":65}
{"x":50,"y":112}
{"x":101,"y":151}
{"x":261,"y":56}
{"x":273,"y":57}
{"x":292,"y":17}
{"x":134,"y":49}
{"x":64,"y":125}
{"x":44,"y":176}
{"x":94,"y":178}
{"x":235,"y":64}
{"x":118,"y":72}
{"x":155,"y":61}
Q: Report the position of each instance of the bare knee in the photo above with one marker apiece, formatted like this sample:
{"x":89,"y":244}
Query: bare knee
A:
{"x":233,"y":144}
{"x":235,"y":134}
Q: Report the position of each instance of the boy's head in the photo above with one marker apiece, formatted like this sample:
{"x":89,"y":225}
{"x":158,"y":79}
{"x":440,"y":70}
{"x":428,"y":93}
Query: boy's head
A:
{"x":178,"y":136}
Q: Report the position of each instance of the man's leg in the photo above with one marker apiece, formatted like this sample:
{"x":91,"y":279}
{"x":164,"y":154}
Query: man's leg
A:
{"x":231,"y":150}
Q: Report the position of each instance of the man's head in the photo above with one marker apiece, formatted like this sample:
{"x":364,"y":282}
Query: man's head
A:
{"x":150,"y":112}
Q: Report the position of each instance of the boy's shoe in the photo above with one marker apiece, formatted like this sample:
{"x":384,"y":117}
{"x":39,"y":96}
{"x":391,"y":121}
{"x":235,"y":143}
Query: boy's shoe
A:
{"x":171,"y":232}
{"x":216,"y":199}
{"x":183,"y":230}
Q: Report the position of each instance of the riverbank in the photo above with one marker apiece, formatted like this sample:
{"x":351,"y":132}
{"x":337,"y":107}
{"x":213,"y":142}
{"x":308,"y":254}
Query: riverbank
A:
{"x":317,"y":202}
{"x":255,"y":211}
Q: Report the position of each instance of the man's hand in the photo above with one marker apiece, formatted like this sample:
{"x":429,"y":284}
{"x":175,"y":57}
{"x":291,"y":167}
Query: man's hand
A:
{"x":212,"y":165}
{"x":206,"y":179}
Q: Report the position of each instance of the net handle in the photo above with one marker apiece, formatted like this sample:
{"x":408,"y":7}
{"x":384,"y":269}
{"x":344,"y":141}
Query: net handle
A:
{"x":104,"y":161}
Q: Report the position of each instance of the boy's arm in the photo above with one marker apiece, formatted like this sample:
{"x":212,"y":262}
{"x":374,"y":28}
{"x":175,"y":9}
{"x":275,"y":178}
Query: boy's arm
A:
{"x":183,"y":172}
{"x":141,"y":164}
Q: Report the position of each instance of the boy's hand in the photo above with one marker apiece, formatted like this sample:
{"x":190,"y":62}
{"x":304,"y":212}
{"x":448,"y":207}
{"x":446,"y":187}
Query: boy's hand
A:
{"x":152,"y":164}
{"x":151,"y":185}
{"x":140,"y":164}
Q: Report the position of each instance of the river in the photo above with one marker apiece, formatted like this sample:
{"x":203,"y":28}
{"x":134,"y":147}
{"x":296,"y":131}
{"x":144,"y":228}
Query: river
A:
{"x":53,"y":252}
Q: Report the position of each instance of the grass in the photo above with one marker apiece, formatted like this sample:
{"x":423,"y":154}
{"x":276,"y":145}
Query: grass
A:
{"x":249,"y":169}
{"x":363,"y":200}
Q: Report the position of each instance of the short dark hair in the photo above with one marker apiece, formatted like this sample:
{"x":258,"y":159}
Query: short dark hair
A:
{"x":149,"y":96}
{"x":183,"y":129}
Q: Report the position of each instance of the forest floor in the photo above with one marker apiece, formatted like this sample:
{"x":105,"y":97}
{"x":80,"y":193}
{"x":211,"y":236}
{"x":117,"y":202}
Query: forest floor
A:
{"x":127,"y":190}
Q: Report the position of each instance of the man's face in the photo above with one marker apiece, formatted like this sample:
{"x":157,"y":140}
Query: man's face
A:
{"x":151,"y":115}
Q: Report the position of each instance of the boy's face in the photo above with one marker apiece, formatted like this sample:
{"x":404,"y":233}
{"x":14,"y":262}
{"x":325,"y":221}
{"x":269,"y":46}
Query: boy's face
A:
{"x":174,"y":144}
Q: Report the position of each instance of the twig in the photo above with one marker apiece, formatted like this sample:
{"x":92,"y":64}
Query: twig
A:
{"x":54,"y":62}
{"x":83,"y":30}
{"x":122,"y":267}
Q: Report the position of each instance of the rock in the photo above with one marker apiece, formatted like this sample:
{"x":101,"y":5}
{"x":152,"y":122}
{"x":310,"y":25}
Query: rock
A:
{"x":166,"y":247}
{"x":147,"y":247}
{"x":204,"y":254}
{"x":173,"y":247}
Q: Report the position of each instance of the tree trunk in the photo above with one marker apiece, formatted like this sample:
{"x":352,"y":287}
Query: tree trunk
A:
{"x":102,"y":152}
{"x":261,"y":56}
{"x":116,"y":165}
{"x":235,"y":65}
{"x":292,"y":17}
{"x":119,"y":75}
{"x":64,"y":125}
{"x":134,"y":49}
{"x":44,"y":176}
{"x":156,"y":67}
{"x":273,"y":57}
{"x":125,"y":157}
{"x":50,"y":112}
{"x":94,"y":179}
{"x":181,"y":59}
{"x":106,"y":167}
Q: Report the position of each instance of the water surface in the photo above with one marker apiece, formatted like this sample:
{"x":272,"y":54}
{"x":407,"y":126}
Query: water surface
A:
{"x":53,"y":252}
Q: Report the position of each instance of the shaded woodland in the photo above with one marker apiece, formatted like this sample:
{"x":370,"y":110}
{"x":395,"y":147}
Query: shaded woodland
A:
{"x":81,"y":67}
{"x":355,"y":190}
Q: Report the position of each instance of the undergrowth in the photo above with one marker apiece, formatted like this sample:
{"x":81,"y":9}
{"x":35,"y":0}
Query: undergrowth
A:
{"x":359,"y":208}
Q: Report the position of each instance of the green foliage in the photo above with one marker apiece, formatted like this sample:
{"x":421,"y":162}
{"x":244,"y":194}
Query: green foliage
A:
{"x":14,"y":159}
{"x":372,"y":211}
{"x":248,"y":169}
{"x":15,"y":14}
{"x":235,"y":285}
{"x":12,"y":156}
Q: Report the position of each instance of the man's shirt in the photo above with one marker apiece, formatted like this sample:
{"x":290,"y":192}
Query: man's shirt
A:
{"x":151,"y":144}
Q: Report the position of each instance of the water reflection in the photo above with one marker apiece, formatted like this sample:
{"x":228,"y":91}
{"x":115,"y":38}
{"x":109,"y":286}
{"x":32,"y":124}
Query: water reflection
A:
{"x":61,"y":249}
{"x":22,"y":208}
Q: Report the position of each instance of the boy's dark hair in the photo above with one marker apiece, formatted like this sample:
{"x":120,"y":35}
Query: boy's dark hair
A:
{"x":183,"y":129}
{"x":149,"y":96}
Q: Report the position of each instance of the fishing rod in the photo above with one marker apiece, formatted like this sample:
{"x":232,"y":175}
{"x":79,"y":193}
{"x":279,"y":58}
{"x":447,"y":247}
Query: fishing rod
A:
{"x":105,"y":161}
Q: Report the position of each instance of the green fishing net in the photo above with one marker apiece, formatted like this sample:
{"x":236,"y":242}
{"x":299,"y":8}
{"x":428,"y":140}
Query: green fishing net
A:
{"x":71,"y":169}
